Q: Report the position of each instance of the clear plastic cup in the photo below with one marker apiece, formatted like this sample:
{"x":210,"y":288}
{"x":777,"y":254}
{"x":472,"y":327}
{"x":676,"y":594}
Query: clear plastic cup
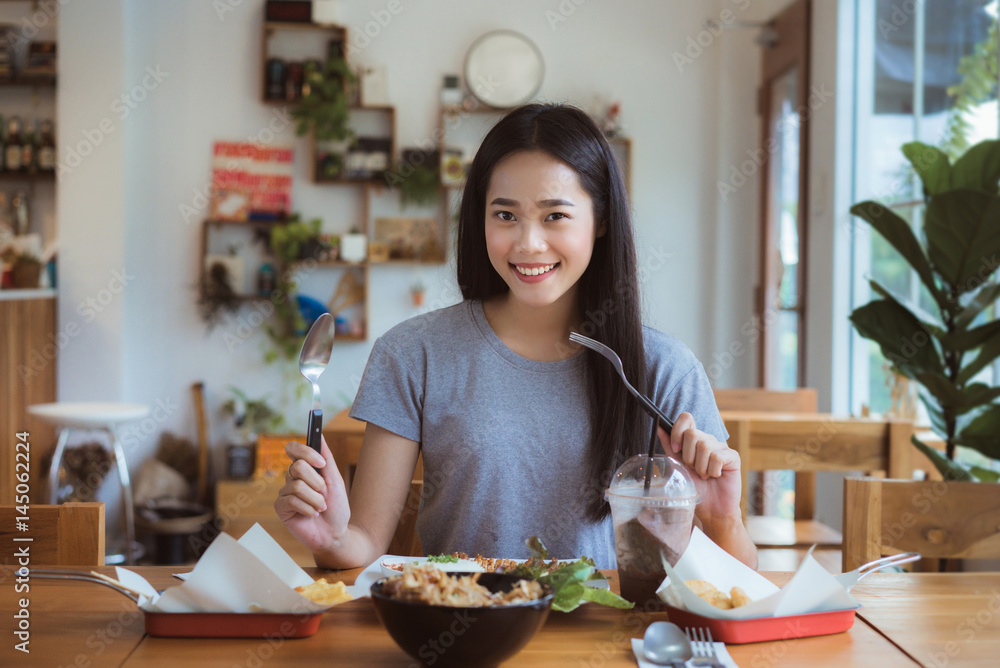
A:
{"x":650,"y":523}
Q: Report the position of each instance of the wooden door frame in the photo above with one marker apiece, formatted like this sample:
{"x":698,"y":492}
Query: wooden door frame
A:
{"x":790,"y":50}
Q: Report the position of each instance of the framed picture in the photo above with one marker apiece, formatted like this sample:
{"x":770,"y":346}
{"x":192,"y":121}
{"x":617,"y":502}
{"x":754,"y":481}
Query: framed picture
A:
{"x":410,"y":238}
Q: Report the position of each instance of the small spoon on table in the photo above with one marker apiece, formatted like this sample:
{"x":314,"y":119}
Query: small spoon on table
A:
{"x":665,"y":644}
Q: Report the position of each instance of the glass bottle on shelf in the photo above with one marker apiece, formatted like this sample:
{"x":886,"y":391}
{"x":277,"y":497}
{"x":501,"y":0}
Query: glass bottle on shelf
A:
{"x":28,"y":163}
{"x":12,"y":150}
{"x":46,"y":147}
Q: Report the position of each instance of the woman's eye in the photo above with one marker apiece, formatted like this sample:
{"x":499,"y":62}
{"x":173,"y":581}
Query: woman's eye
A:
{"x":505,"y":215}
{"x":557,"y":215}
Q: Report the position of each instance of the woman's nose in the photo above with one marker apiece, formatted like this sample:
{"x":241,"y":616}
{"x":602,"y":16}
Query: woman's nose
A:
{"x":532,"y":239}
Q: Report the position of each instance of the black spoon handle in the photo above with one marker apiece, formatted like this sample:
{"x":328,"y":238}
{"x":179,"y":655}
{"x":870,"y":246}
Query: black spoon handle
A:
{"x":314,"y":430}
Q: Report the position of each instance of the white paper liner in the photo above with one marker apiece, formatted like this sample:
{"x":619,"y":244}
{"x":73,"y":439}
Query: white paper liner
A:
{"x":811,"y":589}
{"x":253,"y":574}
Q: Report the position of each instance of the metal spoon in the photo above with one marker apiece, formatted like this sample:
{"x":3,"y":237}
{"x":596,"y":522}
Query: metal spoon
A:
{"x":665,"y":644}
{"x":313,"y":359}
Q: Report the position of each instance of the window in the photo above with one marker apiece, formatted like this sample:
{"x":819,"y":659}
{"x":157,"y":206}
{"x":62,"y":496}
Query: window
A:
{"x":926,"y":70}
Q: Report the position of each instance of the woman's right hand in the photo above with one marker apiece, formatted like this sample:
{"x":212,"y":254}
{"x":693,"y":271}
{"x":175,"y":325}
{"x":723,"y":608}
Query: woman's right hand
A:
{"x":313,"y":501}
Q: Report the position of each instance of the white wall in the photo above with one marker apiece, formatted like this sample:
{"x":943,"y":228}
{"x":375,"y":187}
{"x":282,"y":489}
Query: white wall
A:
{"x":120,"y":208}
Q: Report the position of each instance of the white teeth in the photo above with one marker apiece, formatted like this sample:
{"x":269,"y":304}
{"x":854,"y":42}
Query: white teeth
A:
{"x":534,"y":271}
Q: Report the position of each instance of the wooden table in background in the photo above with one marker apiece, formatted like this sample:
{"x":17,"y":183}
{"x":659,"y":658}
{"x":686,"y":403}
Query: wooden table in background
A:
{"x":83,"y":624}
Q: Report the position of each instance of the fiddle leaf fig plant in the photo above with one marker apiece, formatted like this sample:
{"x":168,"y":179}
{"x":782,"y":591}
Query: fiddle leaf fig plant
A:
{"x":955,"y":256}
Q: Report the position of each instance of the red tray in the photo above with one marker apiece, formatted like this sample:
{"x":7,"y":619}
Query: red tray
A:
{"x":760,"y":629}
{"x":231,"y":624}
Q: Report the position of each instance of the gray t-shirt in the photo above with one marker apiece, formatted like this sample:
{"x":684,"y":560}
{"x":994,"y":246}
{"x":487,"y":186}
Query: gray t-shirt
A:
{"x":504,"y":438}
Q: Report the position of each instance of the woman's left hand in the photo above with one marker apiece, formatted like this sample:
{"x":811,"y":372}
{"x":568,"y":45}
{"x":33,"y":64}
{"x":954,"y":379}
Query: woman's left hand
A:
{"x":714,"y":467}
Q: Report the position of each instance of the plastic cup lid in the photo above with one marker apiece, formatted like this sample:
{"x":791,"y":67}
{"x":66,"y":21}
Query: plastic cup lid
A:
{"x":670,"y":485}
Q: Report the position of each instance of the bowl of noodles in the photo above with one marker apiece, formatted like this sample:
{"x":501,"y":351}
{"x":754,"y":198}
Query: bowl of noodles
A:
{"x":460,"y":619}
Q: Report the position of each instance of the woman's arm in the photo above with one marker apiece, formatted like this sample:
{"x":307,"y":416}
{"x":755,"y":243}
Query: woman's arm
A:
{"x":314,"y":506}
{"x":715,"y":468}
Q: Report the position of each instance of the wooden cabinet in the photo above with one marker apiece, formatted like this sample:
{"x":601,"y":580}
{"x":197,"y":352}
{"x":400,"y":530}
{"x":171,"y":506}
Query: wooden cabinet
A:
{"x":28,"y":354}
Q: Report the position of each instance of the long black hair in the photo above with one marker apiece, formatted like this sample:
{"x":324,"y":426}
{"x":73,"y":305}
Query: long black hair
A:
{"x":608,"y":291}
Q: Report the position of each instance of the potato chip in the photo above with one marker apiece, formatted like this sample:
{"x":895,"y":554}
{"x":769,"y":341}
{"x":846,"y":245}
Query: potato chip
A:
{"x":739,"y":597}
{"x":325,"y":593}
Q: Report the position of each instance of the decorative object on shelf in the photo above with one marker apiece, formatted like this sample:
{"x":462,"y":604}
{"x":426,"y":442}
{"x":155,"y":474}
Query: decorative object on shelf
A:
{"x":946,"y":348}
{"x":216,"y":295}
{"x":250,"y":418}
{"x":267,"y":279}
{"x":350,"y":292}
{"x":274,"y":82}
{"x":235,"y":270}
{"x":368,"y":158}
{"x":452,"y":167}
{"x":451,"y":94}
{"x":297,"y":11}
{"x":410,"y":238}
{"x":251,"y":181}
{"x":374,"y":85}
{"x":41,"y":60}
{"x":324,"y":109}
{"x":353,"y":247}
{"x":271,"y":459}
{"x":418,"y":178}
{"x":504,"y":69}
{"x":417,"y":292}
{"x":294,"y":81}
{"x":378,"y":251}
{"x":27,"y":271}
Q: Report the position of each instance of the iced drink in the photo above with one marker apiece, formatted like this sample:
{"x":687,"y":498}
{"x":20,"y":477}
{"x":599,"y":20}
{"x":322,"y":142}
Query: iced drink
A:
{"x":650,"y":523}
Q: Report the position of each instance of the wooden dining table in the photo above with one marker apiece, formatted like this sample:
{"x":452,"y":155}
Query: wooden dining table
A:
{"x":907,"y":619}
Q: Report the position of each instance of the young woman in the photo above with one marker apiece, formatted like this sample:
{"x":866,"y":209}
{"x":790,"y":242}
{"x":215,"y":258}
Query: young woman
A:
{"x":520,"y":430}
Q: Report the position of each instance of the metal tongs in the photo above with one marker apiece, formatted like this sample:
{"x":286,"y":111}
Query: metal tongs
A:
{"x":851,"y":578}
{"x":92,"y":576}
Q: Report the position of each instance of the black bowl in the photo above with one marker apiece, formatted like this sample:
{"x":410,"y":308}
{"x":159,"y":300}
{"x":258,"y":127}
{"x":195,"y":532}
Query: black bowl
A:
{"x":444,"y":636}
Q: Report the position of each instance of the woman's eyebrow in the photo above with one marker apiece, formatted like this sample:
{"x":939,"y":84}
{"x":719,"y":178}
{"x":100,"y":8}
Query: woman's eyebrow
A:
{"x":503,"y":201}
{"x":548,"y":203}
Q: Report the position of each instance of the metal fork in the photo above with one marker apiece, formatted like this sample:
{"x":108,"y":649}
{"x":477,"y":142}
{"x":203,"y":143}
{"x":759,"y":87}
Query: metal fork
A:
{"x":702,"y":647}
{"x":616,"y":361}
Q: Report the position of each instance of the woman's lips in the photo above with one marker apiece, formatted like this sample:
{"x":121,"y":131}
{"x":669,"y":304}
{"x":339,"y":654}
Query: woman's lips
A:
{"x":534,"y":273}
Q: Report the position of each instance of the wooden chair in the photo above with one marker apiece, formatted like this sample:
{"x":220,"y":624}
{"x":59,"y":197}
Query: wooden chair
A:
{"x":71,"y":534}
{"x":807,"y":444}
{"x":800,"y":400}
{"x":935,"y":518}
{"x":405,"y":541}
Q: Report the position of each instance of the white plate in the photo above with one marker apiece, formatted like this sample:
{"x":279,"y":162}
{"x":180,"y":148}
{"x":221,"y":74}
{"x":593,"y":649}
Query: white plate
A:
{"x":376,"y":571}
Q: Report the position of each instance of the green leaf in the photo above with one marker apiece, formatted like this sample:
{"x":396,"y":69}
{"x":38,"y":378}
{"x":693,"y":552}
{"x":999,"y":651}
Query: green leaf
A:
{"x":606,"y":597}
{"x":934,"y":412}
{"x":904,"y":340}
{"x":978,"y":168}
{"x":948,"y":469}
{"x":989,"y":352}
{"x":976,"y":395}
{"x":897,"y":232}
{"x":972,"y":338}
{"x":930,"y":321}
{"x":941,"y":387}
{"x":982,"y":300}
{"x":931,"y":164}
{"x":963,"y":234}
{"x":568,"y":598}
{"x":985,"y":475}
{"x":983,"y":433}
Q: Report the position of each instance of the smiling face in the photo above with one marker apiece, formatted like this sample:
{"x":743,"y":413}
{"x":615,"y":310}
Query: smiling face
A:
{"x":540,"y":228}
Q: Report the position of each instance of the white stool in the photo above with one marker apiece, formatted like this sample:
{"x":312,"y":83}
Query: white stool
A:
{"x":94,"y":416}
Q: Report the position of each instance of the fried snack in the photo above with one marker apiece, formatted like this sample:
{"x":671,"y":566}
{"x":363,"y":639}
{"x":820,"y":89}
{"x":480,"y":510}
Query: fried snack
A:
{"x":325,"y":593}
{"x":708,"y":591}
{"x":425,"y":584}
{"x":739,"y":597}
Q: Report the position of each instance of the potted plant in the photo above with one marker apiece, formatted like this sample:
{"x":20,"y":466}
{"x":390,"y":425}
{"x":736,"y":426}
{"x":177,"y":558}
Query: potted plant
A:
{"x":418,"y":178}
{"x":945,"y":349}
{"x":324,"y":110}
